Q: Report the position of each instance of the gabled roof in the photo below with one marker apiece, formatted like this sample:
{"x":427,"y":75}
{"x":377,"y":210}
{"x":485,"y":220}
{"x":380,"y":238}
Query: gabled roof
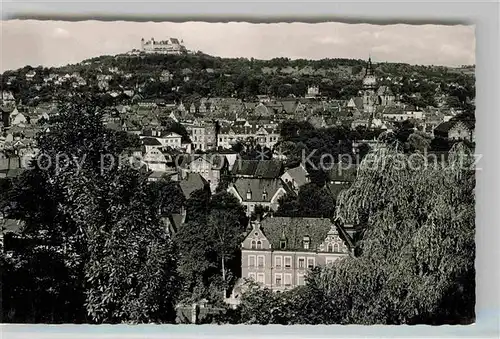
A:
{"x":299,"y":174}
{"x":262,"y":190}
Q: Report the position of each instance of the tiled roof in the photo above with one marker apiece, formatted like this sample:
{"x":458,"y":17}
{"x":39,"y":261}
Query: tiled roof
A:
{"x":258,"y":168}
{"x":258,"y":187}
{"x":294,"y":230}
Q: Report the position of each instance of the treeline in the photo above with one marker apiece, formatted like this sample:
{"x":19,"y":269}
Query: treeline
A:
{"x":200,"y":75}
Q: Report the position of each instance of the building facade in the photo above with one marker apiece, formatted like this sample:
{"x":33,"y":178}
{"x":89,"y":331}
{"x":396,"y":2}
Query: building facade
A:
{"x":278,"y":252}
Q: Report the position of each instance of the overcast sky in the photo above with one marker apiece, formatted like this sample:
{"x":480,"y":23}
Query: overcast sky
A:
{"x":55,"y":43}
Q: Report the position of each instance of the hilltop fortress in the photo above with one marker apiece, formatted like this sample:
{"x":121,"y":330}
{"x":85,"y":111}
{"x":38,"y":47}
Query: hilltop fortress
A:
{"x":169,"y":46}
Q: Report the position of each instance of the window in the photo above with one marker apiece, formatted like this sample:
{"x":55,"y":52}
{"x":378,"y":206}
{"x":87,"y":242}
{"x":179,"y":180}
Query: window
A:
{"x":330,"y":261}
{"x":302,"y":262}
{"x":282,"y":244}
{"x":259,"y":245}
{"x":278,"y":262}
{"x":251,"y":261}
{"x":277,"y":279}
{"x":288,"y":279}
{"x":329,"y":248}
{"x":260,"y":261}
{"x":253,"y":245}
{"x":306,"y":241}
{"x":300,"y":279}
{"x":260,"y":278}
{"x":251,"y":275}
{"x":288,"y":262}
{"x":336,"y":248}
{"x":310,"y":263}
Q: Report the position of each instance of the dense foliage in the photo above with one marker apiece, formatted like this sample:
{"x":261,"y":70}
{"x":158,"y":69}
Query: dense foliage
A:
{"x":416,"y":262}
{"x":246,"y":78}
{"x":93,"y":248}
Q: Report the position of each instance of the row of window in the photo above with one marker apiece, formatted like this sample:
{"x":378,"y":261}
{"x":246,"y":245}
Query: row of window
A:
{"x":282,"y":261}
{"x":260,"y":139}
{"x":280,"y":279}
{"x":332,"y":248}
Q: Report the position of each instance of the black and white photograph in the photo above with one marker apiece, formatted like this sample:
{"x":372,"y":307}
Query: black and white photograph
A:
{"x":229,"y":173}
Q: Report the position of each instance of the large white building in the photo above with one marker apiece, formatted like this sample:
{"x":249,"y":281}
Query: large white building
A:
{"x":169,"y":46}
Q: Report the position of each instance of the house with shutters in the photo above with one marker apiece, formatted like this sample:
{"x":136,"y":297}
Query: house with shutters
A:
{"x":279,"y":251}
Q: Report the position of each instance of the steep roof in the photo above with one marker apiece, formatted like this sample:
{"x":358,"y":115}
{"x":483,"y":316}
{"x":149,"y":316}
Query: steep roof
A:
{"x":258,"y":168}
{"x":257,"y":187}
{"x":294,"y":230}
{"x":299,"y":174}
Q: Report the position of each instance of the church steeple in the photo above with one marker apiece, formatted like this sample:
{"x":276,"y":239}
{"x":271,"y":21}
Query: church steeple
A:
{"x":369,"y":67}
{"x":369,"y":80}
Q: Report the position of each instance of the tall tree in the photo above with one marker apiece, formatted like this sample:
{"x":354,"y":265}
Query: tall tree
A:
{"x":417,"y":250}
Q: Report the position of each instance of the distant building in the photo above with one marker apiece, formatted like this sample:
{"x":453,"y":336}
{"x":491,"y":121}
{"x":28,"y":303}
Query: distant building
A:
{"x":455,"y":130}
{"x":312,"y":92}
{"x":169,"y":46}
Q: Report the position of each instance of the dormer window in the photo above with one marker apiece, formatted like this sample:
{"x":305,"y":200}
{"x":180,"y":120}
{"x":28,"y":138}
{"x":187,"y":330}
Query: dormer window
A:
{"x":282,"y":244}
{"x":264,"y":194}
{"x":249,"y":194}
{"x":306,"y":241}
{"x":259,"y":245}
{"x":254,"y":246}
{"x":329,"y":248}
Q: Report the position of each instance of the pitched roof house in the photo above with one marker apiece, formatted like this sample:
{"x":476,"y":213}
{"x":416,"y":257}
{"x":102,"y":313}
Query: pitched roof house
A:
{"x":296,"y":177}
{"x":278,"y":251}
{"x":265,"y":192}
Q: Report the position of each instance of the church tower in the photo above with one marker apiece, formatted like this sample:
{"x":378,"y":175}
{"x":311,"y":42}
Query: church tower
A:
{"x":369,"y":89}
